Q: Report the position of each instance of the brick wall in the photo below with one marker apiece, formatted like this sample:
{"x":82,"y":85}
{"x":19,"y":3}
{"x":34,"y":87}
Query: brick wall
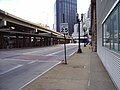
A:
{"x":93,"y":25}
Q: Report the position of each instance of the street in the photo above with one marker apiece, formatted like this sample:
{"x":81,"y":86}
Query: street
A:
{"x":19,"y":67}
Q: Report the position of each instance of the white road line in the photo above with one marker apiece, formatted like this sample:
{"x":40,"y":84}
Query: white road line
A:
{"x":31,"y":62}
{"x":59,"y":51}
{"x":44,"y":50}
{"x":31,"y":52}
{"x":44,"y":61}
{"x":55,"y":53}
{"x":11,"y":69}
{"x":17,"y":60}
{"x":72,"y":53}
{"x":39,"y":76}
{"x":37,"y":51}
{"x":88,"y":83}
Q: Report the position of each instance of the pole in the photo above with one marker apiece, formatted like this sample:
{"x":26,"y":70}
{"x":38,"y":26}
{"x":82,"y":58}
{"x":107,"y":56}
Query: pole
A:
{"x":65,"y":49}
{"x":84,"y":39}
{"x":79,"y":48}
{"x":64,"y":41}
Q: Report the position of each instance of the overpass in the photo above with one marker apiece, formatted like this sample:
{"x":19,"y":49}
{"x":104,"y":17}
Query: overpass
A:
{"x":16,"y":32}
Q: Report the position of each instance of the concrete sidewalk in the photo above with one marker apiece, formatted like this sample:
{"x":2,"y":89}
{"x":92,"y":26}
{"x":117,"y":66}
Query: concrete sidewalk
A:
{"x":83,"y":72}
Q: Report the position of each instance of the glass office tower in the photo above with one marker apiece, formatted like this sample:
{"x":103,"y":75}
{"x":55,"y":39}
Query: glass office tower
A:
{"x":69,"y":9}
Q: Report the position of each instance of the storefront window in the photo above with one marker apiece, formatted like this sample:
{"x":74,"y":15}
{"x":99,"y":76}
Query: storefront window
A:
{"x":119,"y":28}
{"x":106,"y":33}
{"x":111,"y":33}
{"x":114,"y":30}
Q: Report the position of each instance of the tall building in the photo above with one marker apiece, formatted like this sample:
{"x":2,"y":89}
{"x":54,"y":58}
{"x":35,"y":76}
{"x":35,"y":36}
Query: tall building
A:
{"x":68,"y":10}
{"x":108,"y":37}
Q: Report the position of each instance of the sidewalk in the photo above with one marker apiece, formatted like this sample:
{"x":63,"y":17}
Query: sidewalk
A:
{"x":83,"y":72}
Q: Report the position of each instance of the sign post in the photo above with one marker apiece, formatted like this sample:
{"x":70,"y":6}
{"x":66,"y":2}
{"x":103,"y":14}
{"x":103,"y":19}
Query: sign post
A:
{"x":64,"y":30}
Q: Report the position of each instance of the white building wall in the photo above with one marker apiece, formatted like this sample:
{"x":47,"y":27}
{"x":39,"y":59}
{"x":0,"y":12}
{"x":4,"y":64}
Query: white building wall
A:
{"x":110,"y":58}
{"x":75,"y":33}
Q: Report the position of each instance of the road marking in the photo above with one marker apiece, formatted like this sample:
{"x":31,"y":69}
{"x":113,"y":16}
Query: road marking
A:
{"x":31,"y":52}
{"x":59,"y":51}
{"x":72,"y":53}
{"x":38,"y":50}
{"x":88,"y":83}
{"x":17,"y":60}
{"x":55,"y":53}
{"x":47,"y":49}
{"x":15,"y":67}
{"x":31,"y":62}
{"x":38,"y":76}
{"x":44,"y":61}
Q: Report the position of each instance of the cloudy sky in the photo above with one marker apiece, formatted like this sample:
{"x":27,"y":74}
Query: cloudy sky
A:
{"x":37,"y":11}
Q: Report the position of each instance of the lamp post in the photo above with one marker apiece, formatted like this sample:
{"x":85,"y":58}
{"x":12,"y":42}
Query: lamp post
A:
{"x":78,"y":21}
{"x":84,"y":29}
{"x":84,"y":37}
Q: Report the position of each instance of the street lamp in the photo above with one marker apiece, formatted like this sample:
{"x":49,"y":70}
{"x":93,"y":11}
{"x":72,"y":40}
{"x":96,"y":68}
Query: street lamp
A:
{"x":84,"y":29}
{"x":78,"y":21}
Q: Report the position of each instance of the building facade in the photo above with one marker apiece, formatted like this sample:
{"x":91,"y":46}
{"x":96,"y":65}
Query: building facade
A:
{"x":93,"y":30}
{"x":65,"y":11}
{"x":108,"y":37}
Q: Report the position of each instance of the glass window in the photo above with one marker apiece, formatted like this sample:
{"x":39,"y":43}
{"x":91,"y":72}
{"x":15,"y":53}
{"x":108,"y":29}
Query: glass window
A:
{"x":111,"y":33}
{"x":119,"y":28}
{"x":114,"y":30}
{"x":106,"y":33}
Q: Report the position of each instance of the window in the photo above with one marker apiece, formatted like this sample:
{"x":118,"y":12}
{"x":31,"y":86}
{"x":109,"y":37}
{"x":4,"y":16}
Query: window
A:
{"x":106,"y":27}
{"x":119,"y":28}
{"x":114,"y":30}
{"x":111,"y":30}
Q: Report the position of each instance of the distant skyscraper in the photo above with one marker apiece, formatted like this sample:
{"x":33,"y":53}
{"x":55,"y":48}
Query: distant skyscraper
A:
{"x":69,"y":9}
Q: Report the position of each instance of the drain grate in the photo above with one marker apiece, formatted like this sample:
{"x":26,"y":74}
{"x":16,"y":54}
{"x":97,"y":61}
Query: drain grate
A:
{"x":79,"y":66}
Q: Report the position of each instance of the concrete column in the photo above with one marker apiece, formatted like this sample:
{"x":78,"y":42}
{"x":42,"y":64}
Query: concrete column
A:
{"x":58,"y":41}
{"x":47,"y":41}
{"x":29,"y":41}
{"x":41,"y":42}
{"x":24,"y":41}
{"x":34,"y":41}
{"x":8,"y":41}
{"x":53,"y":41}
{"x":17,"y":42}
{"x":1,"y":40}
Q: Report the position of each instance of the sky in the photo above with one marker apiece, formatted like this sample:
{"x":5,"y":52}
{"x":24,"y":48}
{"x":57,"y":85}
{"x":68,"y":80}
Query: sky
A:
{"x":37,"y":11}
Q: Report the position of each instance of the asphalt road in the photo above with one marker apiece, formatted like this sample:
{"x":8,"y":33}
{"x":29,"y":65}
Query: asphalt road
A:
{"x":20,"y":67}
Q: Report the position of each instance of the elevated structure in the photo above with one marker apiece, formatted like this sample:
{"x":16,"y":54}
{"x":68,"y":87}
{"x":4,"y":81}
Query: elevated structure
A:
{"x":16,"y":32}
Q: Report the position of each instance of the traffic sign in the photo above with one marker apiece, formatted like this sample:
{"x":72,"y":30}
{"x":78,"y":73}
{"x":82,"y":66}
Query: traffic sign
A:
{"x":64,"y":27}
